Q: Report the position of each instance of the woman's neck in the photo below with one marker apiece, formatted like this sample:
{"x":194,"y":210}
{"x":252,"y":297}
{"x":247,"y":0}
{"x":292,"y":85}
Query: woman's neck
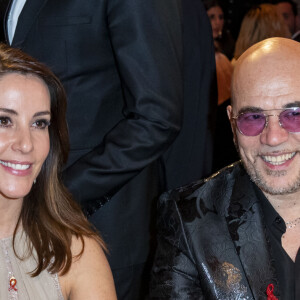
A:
{"x":10,"y":210}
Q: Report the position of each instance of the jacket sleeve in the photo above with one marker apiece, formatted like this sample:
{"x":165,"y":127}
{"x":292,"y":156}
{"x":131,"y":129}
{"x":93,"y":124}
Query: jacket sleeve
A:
{"x":146,"y":38}
{"x":174,"y":274}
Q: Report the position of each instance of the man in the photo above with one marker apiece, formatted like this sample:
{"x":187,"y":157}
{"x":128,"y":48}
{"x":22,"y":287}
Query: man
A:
{"x":120,"y":62}
{"x":288,"y":10}
{"x":194,"y":144}
{"x":236,"y":234}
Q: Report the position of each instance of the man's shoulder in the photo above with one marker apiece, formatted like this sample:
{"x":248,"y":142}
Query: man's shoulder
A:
{"x":213,"y":192}
{"x":216,"y":182}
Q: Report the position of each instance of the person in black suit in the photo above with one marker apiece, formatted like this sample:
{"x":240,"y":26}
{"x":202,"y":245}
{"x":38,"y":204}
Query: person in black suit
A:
{"x":121,"y":65}
{"x":190,"y":156}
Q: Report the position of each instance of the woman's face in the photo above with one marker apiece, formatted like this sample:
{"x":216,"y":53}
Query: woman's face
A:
{"x":216,"y":17}
{"x":24,"y":137}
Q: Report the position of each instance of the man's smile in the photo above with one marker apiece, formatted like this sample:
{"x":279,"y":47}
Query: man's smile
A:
{"x":278,"y":159}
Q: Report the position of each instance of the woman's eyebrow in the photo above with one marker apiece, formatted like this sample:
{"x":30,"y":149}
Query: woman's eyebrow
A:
{"x":8,"y":111}
{"x":42,"y":113}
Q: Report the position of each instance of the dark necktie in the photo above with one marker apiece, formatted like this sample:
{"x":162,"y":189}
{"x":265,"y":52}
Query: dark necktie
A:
{"x":3,"y":8}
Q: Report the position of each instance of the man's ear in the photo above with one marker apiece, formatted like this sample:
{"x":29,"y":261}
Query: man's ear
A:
{"x":229,"y":114}
{"x":233,"y":127}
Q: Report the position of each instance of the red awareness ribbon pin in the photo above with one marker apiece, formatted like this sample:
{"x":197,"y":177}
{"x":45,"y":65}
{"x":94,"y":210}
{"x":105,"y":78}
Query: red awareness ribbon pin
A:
{"x":12,"y":284}
{"x":270,"y":290}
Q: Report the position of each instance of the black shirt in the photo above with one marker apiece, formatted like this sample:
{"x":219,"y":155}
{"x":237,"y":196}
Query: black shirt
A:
{"x":288,"y":272}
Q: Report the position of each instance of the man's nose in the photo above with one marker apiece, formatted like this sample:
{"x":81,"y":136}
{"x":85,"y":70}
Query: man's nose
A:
{"x":273,"y":134}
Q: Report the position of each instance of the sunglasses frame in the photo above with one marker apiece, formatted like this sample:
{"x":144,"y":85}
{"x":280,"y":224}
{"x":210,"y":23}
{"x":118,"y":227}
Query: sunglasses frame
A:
{"x":235,"y":118}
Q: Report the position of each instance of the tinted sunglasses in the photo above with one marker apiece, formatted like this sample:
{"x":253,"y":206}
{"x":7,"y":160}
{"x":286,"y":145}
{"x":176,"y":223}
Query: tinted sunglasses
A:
{"x":253,"y":123}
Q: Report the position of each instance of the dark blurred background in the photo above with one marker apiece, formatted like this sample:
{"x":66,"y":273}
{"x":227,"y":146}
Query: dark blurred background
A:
{"x":234,"y":11}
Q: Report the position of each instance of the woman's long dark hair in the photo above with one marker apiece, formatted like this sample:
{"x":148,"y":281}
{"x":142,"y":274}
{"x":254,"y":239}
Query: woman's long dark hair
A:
{"x":49,"y":216}
{"x":211,"y":3}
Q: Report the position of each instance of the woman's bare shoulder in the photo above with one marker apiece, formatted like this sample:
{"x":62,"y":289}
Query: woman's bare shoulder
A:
{"x":90,"y":276}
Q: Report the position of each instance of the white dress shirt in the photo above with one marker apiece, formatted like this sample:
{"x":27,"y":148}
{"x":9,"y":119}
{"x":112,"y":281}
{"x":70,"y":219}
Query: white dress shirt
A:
{"x":13,"y":16}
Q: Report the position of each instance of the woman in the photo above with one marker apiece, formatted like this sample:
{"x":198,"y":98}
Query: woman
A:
{"x":224,"y":150}
{"x":47,"y":248}
{"x":224,"y":42}
{"x":260,"y":22}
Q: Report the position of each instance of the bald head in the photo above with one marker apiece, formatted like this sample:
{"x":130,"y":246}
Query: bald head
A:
{"x":266,"y":66}
{"x":264,"y":114}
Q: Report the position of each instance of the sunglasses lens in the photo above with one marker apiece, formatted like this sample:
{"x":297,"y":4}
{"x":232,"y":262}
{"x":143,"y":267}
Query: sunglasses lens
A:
{"x":251,"y":124}
{"x":290,"y":119}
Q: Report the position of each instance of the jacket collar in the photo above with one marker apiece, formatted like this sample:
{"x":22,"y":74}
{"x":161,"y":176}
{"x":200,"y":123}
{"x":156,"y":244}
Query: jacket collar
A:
{"x":247,"y":230}
{"x":26,"y":20}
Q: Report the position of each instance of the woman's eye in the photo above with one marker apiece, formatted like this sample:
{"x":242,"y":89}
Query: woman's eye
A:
{"x":5,"y":121}
{"x":41,"y":124}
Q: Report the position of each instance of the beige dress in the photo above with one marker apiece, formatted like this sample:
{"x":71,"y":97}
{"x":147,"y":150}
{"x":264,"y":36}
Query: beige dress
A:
{"x":43,"y":287}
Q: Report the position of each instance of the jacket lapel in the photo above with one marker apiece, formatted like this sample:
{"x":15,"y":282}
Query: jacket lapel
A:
{"x":4,"y":10}
{"x":221,"y":272}
{"x":26,"y":19}
{"x":246,"y":227}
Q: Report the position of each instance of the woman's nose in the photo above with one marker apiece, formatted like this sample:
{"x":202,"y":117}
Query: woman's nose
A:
{"x":23,"y":140}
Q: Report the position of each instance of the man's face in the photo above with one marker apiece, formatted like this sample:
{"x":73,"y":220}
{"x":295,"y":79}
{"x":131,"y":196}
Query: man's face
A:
{"x":285,"y":9}
{"x":271,"y":158}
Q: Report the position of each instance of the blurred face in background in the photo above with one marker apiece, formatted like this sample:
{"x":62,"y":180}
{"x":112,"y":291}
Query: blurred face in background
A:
{"x":216,"y":17}
{"x":285,"y":9}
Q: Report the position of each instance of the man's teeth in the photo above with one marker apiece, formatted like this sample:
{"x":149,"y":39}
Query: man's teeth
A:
{"x":14,"y":166}
{"x":278,"y":160}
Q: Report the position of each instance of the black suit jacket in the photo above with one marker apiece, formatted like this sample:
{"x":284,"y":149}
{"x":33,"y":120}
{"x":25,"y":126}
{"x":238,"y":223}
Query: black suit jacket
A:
{"x":190,"y":156}
{"x":120,"y":62}
{"x":212,"y":242}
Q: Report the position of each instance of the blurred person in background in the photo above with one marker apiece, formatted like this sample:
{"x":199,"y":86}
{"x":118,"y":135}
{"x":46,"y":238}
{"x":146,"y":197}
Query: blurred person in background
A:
{"x":191,"y":154}
{"x":288,"y":10}
{"x":261,"y":22}
{"x":224,"y":73}
{"x":222,"y":37}
{"x":298,"y":17}
{"x":224,"y":151}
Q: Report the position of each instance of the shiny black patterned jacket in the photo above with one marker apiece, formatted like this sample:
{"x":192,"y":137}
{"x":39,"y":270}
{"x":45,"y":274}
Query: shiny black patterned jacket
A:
{"x":212,"y":242}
